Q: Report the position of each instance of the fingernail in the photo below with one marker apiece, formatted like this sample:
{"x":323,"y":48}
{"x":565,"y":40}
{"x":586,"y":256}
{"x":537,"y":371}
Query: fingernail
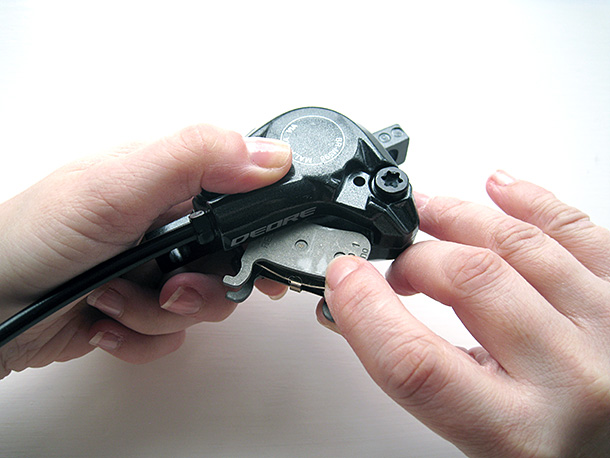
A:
{"x":421,"y":200}
{"x":184,"y":301}
{"x":268,"y":153}
{"x":106,"y":340}
{"x":323,"y":314}
{"x":502,"y":178}
{"x":339,"y":268}
{"x":326,"y":312}
{"x":325,"y":318}
{"x":277,"y":297}
{"x":108,"y":301}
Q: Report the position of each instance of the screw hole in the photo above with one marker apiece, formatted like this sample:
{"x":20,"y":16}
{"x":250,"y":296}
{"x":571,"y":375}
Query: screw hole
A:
{"x":385,"y":137}
{"x":359,"y":181}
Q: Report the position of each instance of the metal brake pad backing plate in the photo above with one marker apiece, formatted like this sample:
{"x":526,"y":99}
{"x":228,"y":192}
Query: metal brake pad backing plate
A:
{"x":297,"y":256}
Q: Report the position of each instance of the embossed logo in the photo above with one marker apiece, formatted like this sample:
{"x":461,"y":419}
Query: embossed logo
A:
{"x":314,"y":139}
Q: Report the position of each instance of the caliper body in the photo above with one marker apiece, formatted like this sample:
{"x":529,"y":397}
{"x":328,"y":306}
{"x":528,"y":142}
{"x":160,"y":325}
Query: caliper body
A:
{"x":344,"y":194}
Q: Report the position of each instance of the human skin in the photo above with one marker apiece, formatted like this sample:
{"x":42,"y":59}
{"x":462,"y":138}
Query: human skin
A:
{"x":93,"y":209}
{"x":531,"y":285}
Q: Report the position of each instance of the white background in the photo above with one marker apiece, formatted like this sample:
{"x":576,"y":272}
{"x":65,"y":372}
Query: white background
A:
{"x":477,"y":85}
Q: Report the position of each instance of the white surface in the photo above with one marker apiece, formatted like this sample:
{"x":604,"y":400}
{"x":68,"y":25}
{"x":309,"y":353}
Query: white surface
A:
{"x":477,"y":85}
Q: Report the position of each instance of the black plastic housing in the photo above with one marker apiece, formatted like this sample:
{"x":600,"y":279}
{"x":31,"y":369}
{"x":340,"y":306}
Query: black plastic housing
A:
{"x":342,"y":177}
{"x":331,"y":182}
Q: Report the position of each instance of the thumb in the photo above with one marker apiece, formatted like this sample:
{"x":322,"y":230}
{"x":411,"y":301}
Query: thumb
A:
{"x":399,"y":352}
{"x":170,"y":171}
{"x":88,"y":211}
{"x":112,"y":200}
{"x":423,"y":373}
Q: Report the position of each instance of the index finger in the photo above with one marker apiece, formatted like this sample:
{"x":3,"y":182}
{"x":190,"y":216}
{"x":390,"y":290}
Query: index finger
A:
{"x":542,"y":261}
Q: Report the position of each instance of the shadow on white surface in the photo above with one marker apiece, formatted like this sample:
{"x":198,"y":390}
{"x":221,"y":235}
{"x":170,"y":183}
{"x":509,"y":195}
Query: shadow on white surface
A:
{"x":270,"y":381}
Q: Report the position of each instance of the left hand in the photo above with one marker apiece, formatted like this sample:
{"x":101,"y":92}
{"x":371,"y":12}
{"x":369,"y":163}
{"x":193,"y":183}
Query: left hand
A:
{"x":91,"y":210}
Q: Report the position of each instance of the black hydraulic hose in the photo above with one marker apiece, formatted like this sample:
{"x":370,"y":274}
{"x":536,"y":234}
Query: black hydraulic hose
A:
{"x":95,"y":277}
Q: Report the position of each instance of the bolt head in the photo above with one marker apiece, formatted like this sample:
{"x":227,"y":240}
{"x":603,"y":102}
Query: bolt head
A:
{"x":391,"y":182}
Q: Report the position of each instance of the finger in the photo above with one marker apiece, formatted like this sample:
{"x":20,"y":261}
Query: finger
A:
{"x":149,"y":182}
{"x":196,"y":297}
{"x":502,"y":311}
{"x":131,"y":346}
{"x":207,"y":157}
{"x":589,"y":243}
{"x":136,"y":307}
{"x":271,"y":288}
{"x":438,"y":383}
{"x":541,"y":260}
{"x":187,"y":299}
{"x":323,"y":318}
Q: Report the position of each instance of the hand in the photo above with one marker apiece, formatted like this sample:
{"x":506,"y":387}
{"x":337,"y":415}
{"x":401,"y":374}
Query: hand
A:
{"x":531,"y":286}
{"x":92,"y":210}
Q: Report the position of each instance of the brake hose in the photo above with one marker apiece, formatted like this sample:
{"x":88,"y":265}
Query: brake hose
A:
{"x":185,"y":233}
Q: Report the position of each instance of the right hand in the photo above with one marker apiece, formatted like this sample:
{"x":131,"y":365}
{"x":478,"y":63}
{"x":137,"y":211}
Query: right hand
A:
{"x":532,"y":286}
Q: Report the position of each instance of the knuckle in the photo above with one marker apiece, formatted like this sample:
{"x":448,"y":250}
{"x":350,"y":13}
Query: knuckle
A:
{"x":413,"y":371}
{"x":351,"y":299}
{"x":598,"y":392}
{"x":195,"y":139}
{"x":511,"y":238}
{"x":557,"y":217}
{"x":199,"y":149}
{"x":207,"y":139}
{"x":448,"y":209}
{"x":473,"y":271}
{"x":592,"y":380}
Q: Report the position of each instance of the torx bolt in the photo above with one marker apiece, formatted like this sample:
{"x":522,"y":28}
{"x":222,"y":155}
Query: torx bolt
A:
{"x":391,"y":182}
